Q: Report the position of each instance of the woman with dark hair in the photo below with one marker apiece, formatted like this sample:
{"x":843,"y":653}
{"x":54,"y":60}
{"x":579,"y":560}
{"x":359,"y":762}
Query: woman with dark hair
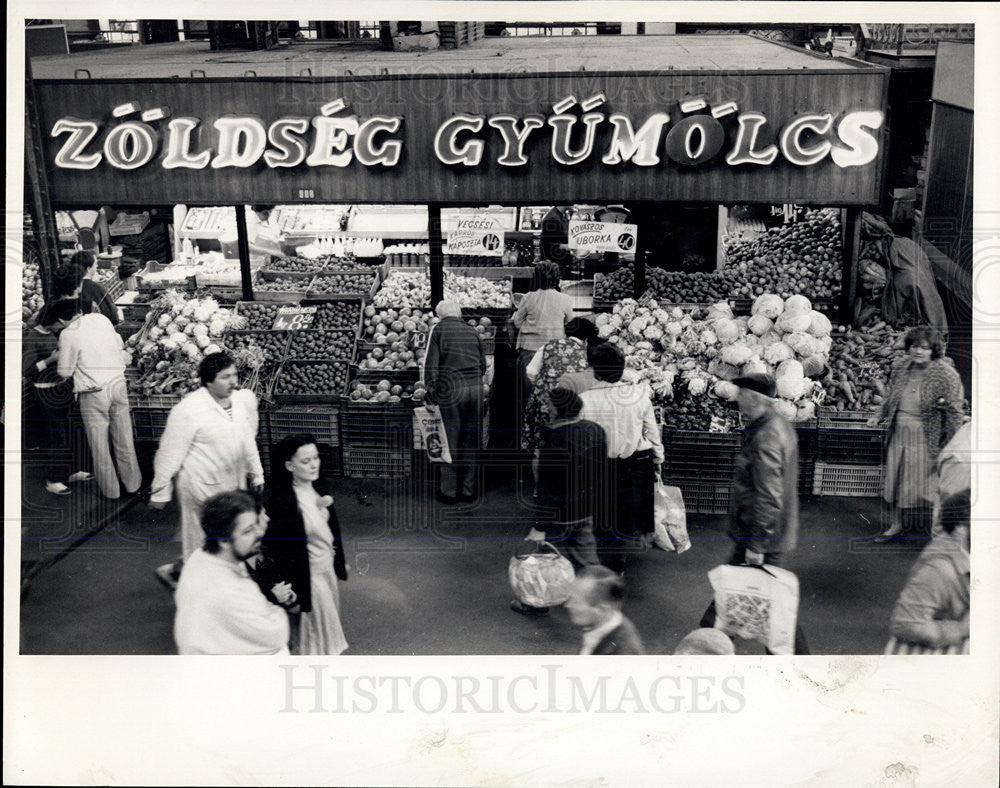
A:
{"x":922,"y":409}
{"x":93,"y":297}
{"x":550,"y":362}
{"x":304,"y":542}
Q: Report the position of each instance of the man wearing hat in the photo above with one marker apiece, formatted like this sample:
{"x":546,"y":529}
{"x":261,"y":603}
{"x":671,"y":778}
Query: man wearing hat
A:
{"x":764,"y":502}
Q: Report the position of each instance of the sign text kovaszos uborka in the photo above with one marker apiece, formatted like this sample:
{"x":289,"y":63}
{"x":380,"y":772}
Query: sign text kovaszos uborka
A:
{"x":133,"y":138}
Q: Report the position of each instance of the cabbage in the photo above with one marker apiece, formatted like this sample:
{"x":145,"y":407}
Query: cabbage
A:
{"x":778,"y":352}
{"x":708,"y":337}
{"x":768,"y":305}
{"x":759,"y":325}
{"x":789,"y":369}
{"x":785,"y":409}
{"x":770,"y":338}
{"x":797,"y":305}
{"x":804,"y":345}
{"x":737,"y":354}
{"x":806,"y":410}
{"x":752,"y":341}
{"x":723,"y":370}
{"x":726,"y":330}
{"x":819,"y":324}
{"x":813,"y":366}
{"x":755,"y":367}
{"x":789,"y":323}
{"x":824,"y":345}
{"x":726,"y":390}
{"x":719,"y":311}
{"x":791,"y":388}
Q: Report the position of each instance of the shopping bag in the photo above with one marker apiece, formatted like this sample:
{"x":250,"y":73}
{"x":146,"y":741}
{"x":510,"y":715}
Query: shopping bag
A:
{"x":669,"y":519}
{"x":540,"y":575}
{"x":757,"y":603}
{"x":431,"y":426}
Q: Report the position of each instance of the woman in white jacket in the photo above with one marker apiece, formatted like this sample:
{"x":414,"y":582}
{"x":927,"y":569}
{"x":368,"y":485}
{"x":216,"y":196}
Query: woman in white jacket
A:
{"x":208,"y":446}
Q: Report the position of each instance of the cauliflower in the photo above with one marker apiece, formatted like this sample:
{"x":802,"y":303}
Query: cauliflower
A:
{"x":785,"y":409}
{"x":605,"y":331}
{"x":726,"y":390}
{"x":804,"y":345}
{"x":200,"y":330}
{"x":164,"y":320}
{"x":694,"y":348}
{"x":686,"y":320}
{"x":643,"y":344}
{"x":602,"y":319}
{"x":217,"y":327}
{"x":770,"y":338}
{"x":720,"y":311}
{"x":661,"y":316}
{"x":189,"y":328}
{"x":677,"y":313}
{"x":626,"y":309}
{"x":616,"y":322}
{"x":181,"y":321}
{"x":759,"y":325}
{"x":727,"y":330}
{"x":768,"y":305}
{"x":791,"y":388}
{"x":653,"y":332}
{"x":797,"y":305}
{"x":155,"y":332}
{"x":708,"y":337}
{"x":168,"y":343}
{"x":638,"y":324}
{"x":711,"y":352}
{"x":674,"y":329}
{"x":778,"y":352}
{"x":789,"y":323}
{"x":202,"y":340}
{"x":737,"y":355}
{"x":189,"y":307}
{"x":173,"y":329}
{"x":790,"y":368}
{"x":190,"y":349}
{"x":819,"y":324}
{"x":213,"y":348}
{"x":202,"y":314}
{"x":697,"y":386}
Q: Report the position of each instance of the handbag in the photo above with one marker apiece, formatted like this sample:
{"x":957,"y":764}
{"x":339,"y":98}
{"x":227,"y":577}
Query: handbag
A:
{"x":430,"y":425}
{"x":540,"y":575}
{"x":758,"y":603}
{"x":669,"y":519}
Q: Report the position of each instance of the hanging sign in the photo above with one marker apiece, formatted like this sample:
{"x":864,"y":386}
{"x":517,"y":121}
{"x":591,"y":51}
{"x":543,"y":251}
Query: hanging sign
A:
{"x":479,"y":235}
{"x":602,"y":237}
{"x":294,"y":318}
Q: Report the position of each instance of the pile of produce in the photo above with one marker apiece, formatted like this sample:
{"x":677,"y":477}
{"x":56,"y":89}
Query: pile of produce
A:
{"x":803,"y":257}
{"x":393,"y":333}
{"x":412,"y":289}
{"x":859,"y":365}
{"x":296,"y":265}
{"x":385,"y":391}
{"x":219,"y":272}
{"x":324,"y":344}
{"x":289,"y":283}
{"x":173,"y":275}
{"x":177,"y":334}
{"x":687,"y":411}
{"x":353,"y":282}
{"x":677,"y":287}
{"x":704,"y":349}
{"x":312,"y":377}
{"x":271,"y":344}
{"x":259,"y":316}
{"x":339,"y":315}
{"x":32,"y":299}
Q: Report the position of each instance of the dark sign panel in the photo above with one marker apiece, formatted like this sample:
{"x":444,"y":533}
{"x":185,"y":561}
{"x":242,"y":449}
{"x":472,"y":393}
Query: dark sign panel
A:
{"x":779,"y":137}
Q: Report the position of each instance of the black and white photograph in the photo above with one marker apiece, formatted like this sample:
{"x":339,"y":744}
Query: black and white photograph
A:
{"x":539,"y":402}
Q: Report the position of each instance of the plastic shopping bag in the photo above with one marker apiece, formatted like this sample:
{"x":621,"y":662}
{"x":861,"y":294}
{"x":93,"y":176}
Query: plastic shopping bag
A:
{"x":669,"y":519}
{"x":427,"y":419}
{"x":757,"y":603}
{"x":539,"y":574}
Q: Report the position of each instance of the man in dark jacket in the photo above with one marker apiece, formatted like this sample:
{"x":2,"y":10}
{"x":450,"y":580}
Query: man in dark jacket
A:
{"x":595,"y":604}
{"x":764,"y":502}
{"x":453,"y":374}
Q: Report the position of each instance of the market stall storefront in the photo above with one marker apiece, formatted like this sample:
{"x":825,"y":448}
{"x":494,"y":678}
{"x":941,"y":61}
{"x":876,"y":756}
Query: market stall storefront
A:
{"x":330,"y":214}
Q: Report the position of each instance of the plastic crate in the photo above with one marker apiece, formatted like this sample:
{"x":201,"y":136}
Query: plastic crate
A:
{"x":321,"y":422}
{"x":153,"y":267}
{"x":857,"y":481}
{"x":364,"y":284}
{"x":702,"y":498}
{"x":704,"y":457}
{"x":130,"y":309}
{"x":374,"y":462}
{"x":377,"y":424}
{"x":327,"y":303}
{"x":148,"y":423}
{"x":231,"y":341}
{"x":273,"y":308}
{"x":282,"y":296}
{"x":844,"y":439}
{"x":291,"y":350}
{"x":327,"y":397}
{"x":807,"y":457}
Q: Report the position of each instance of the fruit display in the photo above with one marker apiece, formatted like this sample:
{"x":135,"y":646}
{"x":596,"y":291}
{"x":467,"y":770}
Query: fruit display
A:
{"x":322,"y":344}
{"x":344,"y":264}
{"x":703,"y":349}
{"x":259,"y":316}
{"x":386,"y":391}
{"x":391,"y":331}
{"x":803,"y":257}
{"x":297,"y":265}
{"x":338,"y":315}
{"x":278,"y":283}
{"x":32,"y":299}
{"x":177,"y":334}
{"x":272,"y":344}
{"x":860,"y":360}
{"x":353,"y":282}
{"x":677,"y":287}
{"x":412,"y":289}
{"x":325,"y":378}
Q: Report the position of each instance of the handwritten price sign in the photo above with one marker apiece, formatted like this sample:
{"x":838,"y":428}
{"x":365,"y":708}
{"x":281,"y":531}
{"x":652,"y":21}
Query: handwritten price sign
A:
{"x":294,"y":318}
{"x":478,"y":235}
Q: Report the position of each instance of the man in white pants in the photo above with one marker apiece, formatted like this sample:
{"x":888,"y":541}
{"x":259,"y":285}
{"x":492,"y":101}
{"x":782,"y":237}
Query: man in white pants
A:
{"x":92,"y":353}
{"x":209,"y":445}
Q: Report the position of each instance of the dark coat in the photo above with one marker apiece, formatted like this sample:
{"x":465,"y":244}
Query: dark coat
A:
{"x":285,"y":548}
{"x":573,"y":469}
{"x":455,"y":361}
{"x":940,"y":400}
{"x":94,"y":298}
{"x":764,"y":504}
{"x":623,"y":639}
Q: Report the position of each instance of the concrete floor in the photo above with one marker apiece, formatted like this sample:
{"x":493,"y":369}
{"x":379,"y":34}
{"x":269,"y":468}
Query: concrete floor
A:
{"x":428,"y":579}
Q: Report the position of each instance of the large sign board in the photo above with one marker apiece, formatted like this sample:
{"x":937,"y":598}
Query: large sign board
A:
{"x":778,"y":137}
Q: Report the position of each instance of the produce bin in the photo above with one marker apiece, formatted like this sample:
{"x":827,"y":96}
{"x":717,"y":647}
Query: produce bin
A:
{"x":148,"y":422}
{"x":857,"y":481}
{"x":302,"y":282}
{"x":294,"y":348}
{"x":153,"y":267}
{"x":806,"y":433}
{"x":843,"y":438}
{"x":344,"y":302}
{"x":272,"y":310}
{"x":131,"y":308}
{"x":325,"y":397}
{"x":703,"y":498}
{"x":234,"y":340}
{"x":363,"y":283}
{"x":322,"y":422}
{"x":377,"y":424}
{"x":374,"y":462}
{"x":697,"y":456}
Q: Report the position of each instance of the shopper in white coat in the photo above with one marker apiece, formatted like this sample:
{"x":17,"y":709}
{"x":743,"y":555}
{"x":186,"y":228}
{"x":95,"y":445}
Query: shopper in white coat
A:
{"x":208,"y":446}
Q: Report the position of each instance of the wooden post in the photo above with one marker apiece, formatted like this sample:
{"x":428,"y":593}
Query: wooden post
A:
{"x":36,"y":187}
{"x":436,"y":245}
{"x":243,"y":247}
{"x":849,"y":276}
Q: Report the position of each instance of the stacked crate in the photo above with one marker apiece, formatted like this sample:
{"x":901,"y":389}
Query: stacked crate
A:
{"x":848,"y":454}
{"x":377,"y":439}
{"x":320,"y":421}
{"x":701,"y":464}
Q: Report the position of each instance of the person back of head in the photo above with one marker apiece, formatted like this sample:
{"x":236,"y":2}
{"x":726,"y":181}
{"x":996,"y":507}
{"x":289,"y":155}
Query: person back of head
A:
{"x":956,"y":511}
{"x":84,"y":261}
{"x":67,"y":279}
{"x":57,"y":313}
{"x":545,"y":276}
{"x":606,"y":587}
{"x":705,"y":641}
{"x":448,"y":308}
{"x":219,"y":515}
{"x":582,"y":329}
{"x":565,"y":402}
{"x":608,"y":363}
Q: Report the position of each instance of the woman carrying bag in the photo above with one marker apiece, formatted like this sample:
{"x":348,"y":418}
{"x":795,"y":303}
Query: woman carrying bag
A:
{"x":304,"y":544}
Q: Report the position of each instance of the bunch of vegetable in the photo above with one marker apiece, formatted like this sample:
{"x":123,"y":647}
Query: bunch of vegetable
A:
{"x":678,"y":287}
{"x":383,"y":391}
{"x":31,"y":290}
{"x":860,"y":360}
{"x":412,"y":289}
{"x":177,"y":334}
{"x":801,"y":258}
